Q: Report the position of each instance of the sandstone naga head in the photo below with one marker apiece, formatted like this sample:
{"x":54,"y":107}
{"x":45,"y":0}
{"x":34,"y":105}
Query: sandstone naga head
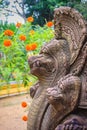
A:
{"x":51,"y":59}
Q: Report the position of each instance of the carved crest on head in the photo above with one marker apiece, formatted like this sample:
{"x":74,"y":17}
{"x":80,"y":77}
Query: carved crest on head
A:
{"x":70,"y":25}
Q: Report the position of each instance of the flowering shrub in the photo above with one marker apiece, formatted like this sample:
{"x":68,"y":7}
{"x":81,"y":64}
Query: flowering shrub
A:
{"x":17,"y":44}
{"x":8,"y":32}
{"x":7,"y":42}
{"x":22,"y":37}
{"x":30,"y":19}
{"x":49,"y":24}
{"x":18,"y":25}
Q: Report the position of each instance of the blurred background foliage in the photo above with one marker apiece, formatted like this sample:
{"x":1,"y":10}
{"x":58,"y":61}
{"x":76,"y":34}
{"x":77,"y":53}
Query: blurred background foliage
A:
{"x":17,"y":43}
{"x":42,"y":10}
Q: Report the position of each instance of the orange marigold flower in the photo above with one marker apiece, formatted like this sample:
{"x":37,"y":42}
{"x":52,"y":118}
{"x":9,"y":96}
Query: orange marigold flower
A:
{"x":7,"y":42}
{"x":24,"y":104}
{"x":33,"y":46}
{"x":30,"y":19}
{"x":22,"y":37}
{"x":24,"y":118}
{"x":18,"y":25}
{"x":28,"y":47}
{"x":32,"y":32}
{"x":49,"y":24}
{"x":8,"y":32}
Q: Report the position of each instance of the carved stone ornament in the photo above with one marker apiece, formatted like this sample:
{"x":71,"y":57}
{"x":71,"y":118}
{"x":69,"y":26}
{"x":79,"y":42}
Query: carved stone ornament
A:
{"x":70,"y":25}
{"x":60,"y":95}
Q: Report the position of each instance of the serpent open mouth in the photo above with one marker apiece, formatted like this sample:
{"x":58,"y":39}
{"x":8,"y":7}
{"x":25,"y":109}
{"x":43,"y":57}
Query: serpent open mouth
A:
{"x":34,"y":64}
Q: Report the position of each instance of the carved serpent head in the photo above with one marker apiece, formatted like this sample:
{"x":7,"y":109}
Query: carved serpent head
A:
{"x":53,"y":58}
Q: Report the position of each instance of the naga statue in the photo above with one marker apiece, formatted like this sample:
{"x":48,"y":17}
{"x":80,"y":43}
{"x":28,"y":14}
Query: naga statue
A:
{"x":60,"y":95}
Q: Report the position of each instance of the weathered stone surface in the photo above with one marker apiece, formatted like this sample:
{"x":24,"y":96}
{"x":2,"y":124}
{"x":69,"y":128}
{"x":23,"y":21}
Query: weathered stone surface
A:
{"x":60,"y":95}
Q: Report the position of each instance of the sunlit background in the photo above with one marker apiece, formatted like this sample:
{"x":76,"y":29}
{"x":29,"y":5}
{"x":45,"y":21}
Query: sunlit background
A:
{"x":13,"y":11}
{"x":10,"y":13}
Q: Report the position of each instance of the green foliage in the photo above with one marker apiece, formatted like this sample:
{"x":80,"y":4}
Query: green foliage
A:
{"x":4,"y":26}
{"x":13,"y":57}
{"x":82,"y":8}
{"x":44,"y":9}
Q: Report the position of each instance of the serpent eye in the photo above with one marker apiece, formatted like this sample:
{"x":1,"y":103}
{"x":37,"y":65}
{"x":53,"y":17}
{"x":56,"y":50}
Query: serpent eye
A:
{"x":44,"y":49}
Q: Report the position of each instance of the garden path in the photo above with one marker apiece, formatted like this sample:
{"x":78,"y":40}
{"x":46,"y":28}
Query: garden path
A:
{"x":11,"y":112}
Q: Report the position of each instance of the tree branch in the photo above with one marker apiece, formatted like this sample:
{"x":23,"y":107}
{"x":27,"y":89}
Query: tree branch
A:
{"x":8,"y":10}
{"x":19,"y":3}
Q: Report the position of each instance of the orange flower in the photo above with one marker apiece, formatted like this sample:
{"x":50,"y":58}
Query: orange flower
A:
{"x":32,"y":32}
{"x":30,"y":19}
{"x":33,"y":46}
{"x":24,"y":118}
{"x":22,"y":37}
{"x":18,"y":25}
{"x":24,"y":104}
{"x":49,"y":24}
{"x":8,"y":32}
{"x":28,"y":47}
{"x":7,"y":42}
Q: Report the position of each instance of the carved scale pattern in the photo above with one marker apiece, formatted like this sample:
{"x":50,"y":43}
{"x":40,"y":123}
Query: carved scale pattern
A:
{"x":72,"y":127}
{"x":80,"y":62}
{"x":70,"y":25}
